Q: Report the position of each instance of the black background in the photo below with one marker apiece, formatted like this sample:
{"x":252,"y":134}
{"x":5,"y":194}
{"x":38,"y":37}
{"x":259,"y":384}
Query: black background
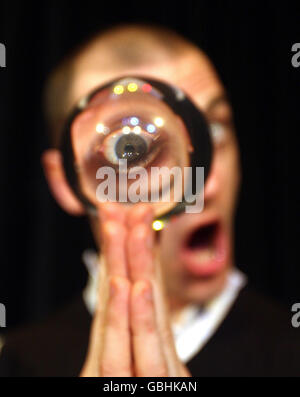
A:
{"x":250,"y":44}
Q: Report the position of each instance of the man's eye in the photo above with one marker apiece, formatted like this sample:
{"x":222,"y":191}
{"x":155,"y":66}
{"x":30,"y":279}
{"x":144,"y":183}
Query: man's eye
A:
{"x":133,"y":146}
{"x":218,"y":134}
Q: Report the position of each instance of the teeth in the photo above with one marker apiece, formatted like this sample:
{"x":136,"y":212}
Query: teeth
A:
{"x":205,"y":255}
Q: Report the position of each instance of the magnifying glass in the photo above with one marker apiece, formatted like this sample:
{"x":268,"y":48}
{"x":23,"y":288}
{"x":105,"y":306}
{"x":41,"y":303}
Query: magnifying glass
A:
{"x":137,"y":139}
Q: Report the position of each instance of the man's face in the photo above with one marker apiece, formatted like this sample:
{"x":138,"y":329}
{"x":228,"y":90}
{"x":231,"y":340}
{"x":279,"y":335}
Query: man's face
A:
{"x":196,"y":250}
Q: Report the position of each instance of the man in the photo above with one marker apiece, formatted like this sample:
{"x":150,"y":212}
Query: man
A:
{"x":187,"y":310}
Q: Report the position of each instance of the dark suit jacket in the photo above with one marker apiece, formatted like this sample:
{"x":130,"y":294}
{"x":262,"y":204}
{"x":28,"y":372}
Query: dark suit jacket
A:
{"x":255,"y":339}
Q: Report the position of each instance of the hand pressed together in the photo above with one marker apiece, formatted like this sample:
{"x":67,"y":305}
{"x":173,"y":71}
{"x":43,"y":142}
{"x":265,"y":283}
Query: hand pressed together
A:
{"x":131,"y":332}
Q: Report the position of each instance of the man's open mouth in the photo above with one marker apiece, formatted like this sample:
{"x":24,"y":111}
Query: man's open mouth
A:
{"x":205,"y":250}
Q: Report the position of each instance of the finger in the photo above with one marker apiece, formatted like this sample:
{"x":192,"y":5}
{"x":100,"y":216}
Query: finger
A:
{"x":148,"y":354}
{"x":116,"y":357}
{"x":140,"y":243}
{"x":140,"y":213}
{"x":114,"y":236}
{"x":112,"y":211}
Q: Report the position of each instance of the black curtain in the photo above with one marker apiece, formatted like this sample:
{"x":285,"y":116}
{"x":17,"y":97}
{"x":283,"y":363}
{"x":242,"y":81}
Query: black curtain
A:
{"x":250,"y":44}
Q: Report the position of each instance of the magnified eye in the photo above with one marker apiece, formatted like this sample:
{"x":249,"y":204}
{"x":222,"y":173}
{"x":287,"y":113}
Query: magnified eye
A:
{"x":131,"y":147}
{"x":135,"y":147}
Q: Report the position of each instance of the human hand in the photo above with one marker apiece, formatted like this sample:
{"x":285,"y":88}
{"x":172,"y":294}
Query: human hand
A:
{"x":131,"y":332}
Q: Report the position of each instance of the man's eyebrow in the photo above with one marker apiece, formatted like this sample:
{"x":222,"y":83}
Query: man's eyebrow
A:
{"x":216,"y":101}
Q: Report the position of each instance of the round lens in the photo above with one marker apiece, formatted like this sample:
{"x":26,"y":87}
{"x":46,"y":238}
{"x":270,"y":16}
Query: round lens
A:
{"x":132,"y":141}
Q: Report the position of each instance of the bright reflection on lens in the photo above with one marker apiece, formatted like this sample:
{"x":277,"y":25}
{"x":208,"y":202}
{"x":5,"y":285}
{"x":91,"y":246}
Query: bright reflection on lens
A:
{"x":151,"y":128}
{"x":118,"y":89}
{"x":157,"y":225}
{"x":134,"y":121}
{"x":132,"y":87}
{"x":147,"y":88}
{"x":137,"y":129}
{"x":100,"y":128}
{"x":159,"y":122}
{"x":126,"y":130}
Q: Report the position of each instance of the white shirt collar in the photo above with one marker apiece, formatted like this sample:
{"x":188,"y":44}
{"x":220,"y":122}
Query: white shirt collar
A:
{"x":197,"y":324}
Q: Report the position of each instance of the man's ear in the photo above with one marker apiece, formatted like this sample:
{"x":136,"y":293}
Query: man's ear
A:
{"x":60,"y":189}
